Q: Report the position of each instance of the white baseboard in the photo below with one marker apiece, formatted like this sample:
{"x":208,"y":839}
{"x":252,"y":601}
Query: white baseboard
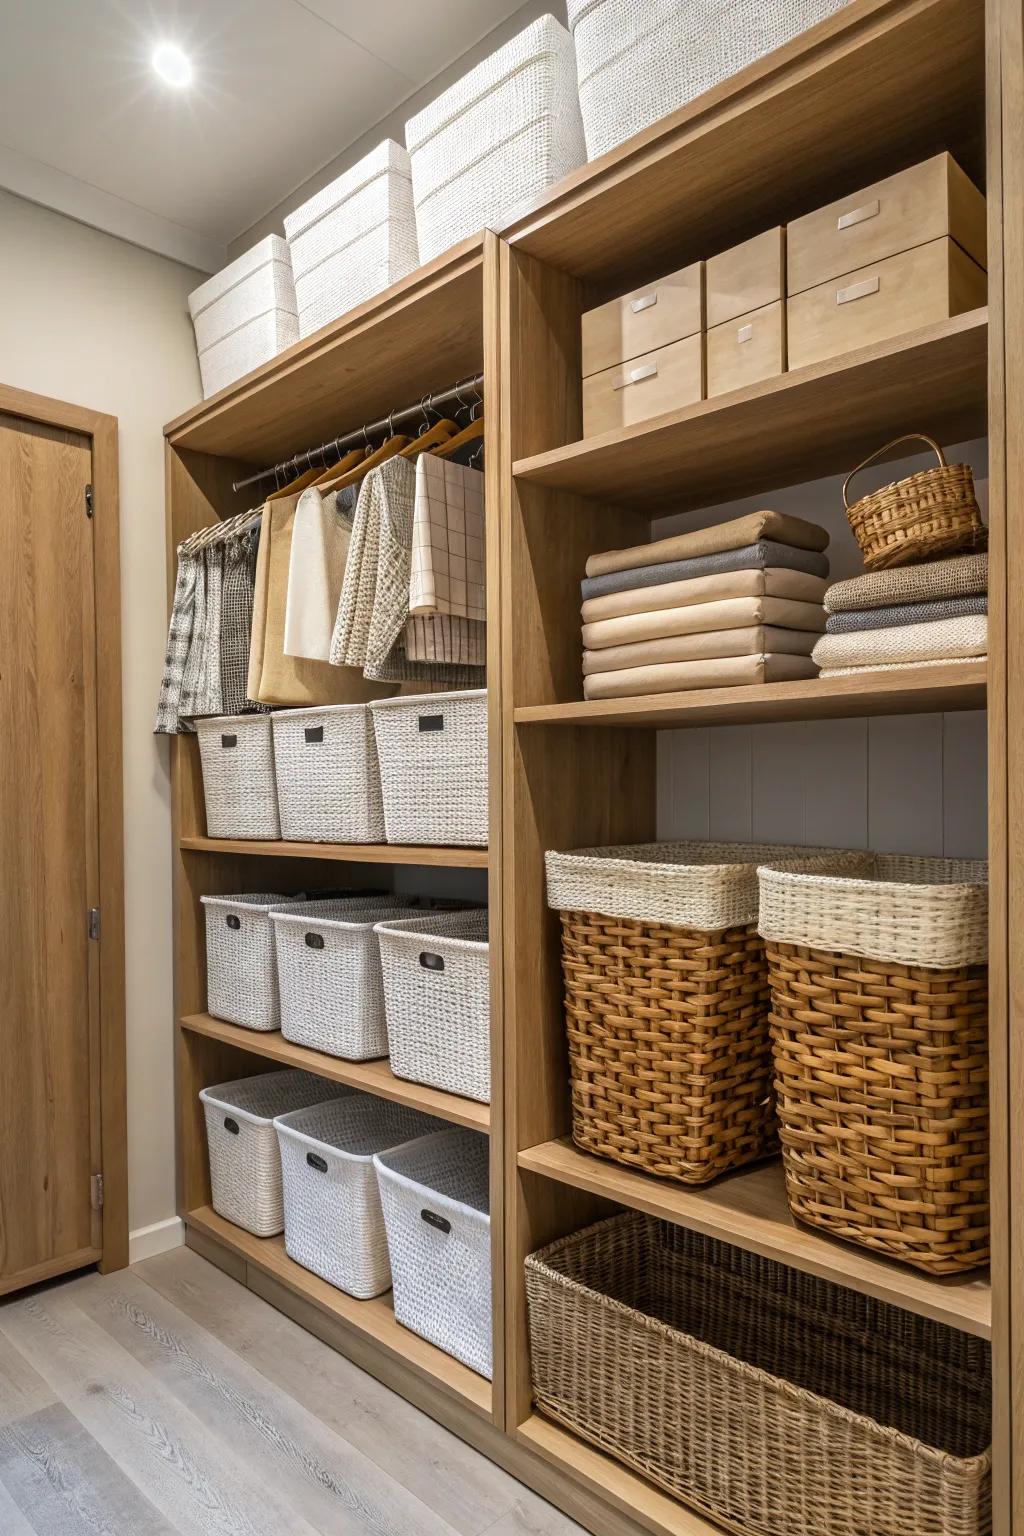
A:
{"x":161,"y":1237}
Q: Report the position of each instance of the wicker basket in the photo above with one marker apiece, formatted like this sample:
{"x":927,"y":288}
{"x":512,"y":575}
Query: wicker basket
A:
{"x":245,"y":1160}
{"x":332,"y":997}
{"x":932,"y":513}
{"x":333,"y":1222}
{"x":237,"y":754}
{"x":667,"y":1003}
{"x":244,"y":315}
{"x":768,"y":1400}
{"x":241,"y":966}
{"x":328,"y":781}
{"x":436,"y":1210}
{"x":880,"y":1040}
{"x":433,"y":767}
{"x":437,"y":998}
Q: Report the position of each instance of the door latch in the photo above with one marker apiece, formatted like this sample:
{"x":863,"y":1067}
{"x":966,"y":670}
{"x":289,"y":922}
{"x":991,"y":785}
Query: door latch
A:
{"x":96,"y":1191}
{"x":94,"y":922}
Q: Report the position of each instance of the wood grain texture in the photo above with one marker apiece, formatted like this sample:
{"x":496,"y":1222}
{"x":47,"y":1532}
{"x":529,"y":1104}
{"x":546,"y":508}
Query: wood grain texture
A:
{"x":428,"y":856}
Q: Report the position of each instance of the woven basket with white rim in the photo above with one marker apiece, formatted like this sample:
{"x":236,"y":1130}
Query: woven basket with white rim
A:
{"x":328,"y":779}
{"x":880,"y":1043}
{"x":245,"y":314}
{"x":241,"y":967}
{"x":245,"y":1159}
{"x":437,"y":998}
{"x":239,"y":786}
{"x":432,"y":749}
{"x":333,"y":1222}
{"x":328,"y":963}
{"x":436,"y":1202}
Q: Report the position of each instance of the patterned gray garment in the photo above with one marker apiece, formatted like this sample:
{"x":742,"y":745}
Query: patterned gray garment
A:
{"x":179,"y":635}
{"x":905,"y":613}
{"x":752,"y":557}
{"x":236,"y":622}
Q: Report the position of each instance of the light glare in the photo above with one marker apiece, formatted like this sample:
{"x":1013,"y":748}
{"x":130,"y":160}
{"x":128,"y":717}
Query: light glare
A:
{"x":172,"y":64}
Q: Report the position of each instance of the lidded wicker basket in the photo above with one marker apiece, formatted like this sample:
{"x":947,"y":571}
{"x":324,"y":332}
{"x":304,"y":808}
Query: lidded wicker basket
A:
{"x":931,"y":513}
{"x":879,"y":1028}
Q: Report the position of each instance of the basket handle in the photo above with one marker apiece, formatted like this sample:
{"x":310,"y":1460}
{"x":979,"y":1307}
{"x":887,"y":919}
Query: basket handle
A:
{"x":908,"y":437}
{"x":432,"y":1219}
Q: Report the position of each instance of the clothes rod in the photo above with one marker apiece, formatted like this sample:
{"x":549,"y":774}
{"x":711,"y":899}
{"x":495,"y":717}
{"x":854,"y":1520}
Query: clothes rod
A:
{"x":332,"y":451}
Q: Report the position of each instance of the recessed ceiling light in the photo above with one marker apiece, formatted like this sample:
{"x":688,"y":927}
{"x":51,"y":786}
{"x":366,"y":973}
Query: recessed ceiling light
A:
{"x":172,"y":64}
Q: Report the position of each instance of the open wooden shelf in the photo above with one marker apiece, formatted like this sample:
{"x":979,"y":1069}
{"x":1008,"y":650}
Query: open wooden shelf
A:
{"x":749,"y":1209}
{"x":374,"y":1319}
{"x":909,"y":691}
{"x":798,"y":426}
{"x":371,"y":1076}
{"x":349,"y":853}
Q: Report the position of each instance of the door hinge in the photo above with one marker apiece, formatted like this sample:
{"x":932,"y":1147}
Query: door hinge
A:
{"x":89,"y":505}
{"x":94,"y":922}
{"x":96,"y":1191}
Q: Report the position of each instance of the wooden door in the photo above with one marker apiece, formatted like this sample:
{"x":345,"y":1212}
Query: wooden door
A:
{"x":50,"y":1132}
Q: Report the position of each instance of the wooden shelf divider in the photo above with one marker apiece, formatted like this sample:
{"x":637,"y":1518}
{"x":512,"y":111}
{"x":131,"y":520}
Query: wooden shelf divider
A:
{"x":427,"y":855}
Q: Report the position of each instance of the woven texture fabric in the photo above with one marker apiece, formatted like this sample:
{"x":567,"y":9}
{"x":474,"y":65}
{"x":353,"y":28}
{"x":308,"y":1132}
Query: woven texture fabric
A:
{"x":448,"y":573}
{"x":759,"y":640}
{"x":735,"y":534}
{"x":962,"y":576}
{"x":179,"y":636}
{"x":695,"y":618}
{"x":441,"y":1270}
{"x":757,"y":582}
{"x":236,"y":622}
{"x":433,"y":768}
{"x":680,"y":676}
{"x":333,"y":1221}
{"x":328,"y":777}
{"x":905,"y":613}
{"x":444,"y":638}
{"x":896,"y":666}
{"x":239,"y":784}
{"x":763,"y":553}
{"x":932,"y":641}
{"x":765,"y":1398}
{"x":241,"y":962}
{"x":438,"y":1015}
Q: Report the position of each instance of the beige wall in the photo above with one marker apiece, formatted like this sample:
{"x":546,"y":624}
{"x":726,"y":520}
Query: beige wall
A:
{"x":87,"y":318}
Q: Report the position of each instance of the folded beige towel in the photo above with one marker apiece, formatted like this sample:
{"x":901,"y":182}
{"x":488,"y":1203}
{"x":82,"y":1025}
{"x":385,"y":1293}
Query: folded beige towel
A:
{"x":961,"y":576}
{"x":741,"y":531}
{"x":680,"y":676}
{"x":706,"y":589}
{"x":733,"y":613}
{"x":758,"y":640}
{"x":941,"y":640}
{"x":904,"y":666}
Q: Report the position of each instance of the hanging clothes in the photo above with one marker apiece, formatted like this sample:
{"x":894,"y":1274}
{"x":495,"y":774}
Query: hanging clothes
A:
{"x":179,"y":637}
{"x":201,"y":692}
{"x":319,"y":553}
{"x":448,"y":572}
{"x":236,"y":621}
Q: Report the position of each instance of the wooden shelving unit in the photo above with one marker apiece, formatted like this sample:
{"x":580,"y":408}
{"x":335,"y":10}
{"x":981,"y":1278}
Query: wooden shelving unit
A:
{"x":345,"y":853}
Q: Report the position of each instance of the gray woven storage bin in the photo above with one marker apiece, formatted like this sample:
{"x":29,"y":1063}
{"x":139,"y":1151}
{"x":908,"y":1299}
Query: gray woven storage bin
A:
{"x":245,"y":1159}
{"x":333,"y":1222}
{"x":437,"y":999}
{"x":239,"y":786}
{"x":434,"y":1192}
{"x":432,"y":750}
{"x":328,"y":961}
{"x":241,"y":969}
{"x":328,"y":781}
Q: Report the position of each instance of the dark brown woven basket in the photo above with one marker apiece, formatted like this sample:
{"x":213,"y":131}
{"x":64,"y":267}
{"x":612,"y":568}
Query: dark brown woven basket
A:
{"x":768,"y":1400}
{"x":932,"y":513}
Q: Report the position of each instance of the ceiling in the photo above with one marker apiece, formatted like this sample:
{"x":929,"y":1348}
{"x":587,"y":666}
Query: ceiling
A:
{"x":281,"y":87}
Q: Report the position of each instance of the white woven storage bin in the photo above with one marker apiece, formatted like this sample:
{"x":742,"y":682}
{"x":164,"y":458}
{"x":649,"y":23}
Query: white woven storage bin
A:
{"x":496,"y":139}
{"x":245,"y":314}
{"x":333,"y":1221}
{"x":353,"y":239}
{"x":241,"y":969}
{"x":437,"y":998}
{"x":239,"y":786}
{"x":245,"y":1159}
{"x":328,"y":779}
{"x":328,"y":963}
{"x":638,"y":60}
{"x":437,"y":1213}
{"x":432,"y":750}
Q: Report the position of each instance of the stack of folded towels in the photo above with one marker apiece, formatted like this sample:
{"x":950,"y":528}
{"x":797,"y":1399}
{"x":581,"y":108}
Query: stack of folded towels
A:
{"x":737,"y":603}
{"x":916,"y":615}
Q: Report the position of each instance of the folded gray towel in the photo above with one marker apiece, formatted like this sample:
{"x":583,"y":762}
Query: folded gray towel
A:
{"x":751,"y":557}
{"x":905,"y":613}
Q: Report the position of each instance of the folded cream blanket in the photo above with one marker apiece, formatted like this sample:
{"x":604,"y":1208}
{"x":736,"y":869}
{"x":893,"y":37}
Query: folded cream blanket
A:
{"x":757,"y":640}
{"x":693,"y":618}
{"x":708,"y":541}
{"x":946,"y":639}
{"x":706,"y":589}
{"x":680,"y":676}
{"x":962,"y":576}
{"x":903,"y":666}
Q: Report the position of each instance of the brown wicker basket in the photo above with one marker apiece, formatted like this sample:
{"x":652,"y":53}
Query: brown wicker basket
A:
{"x":766,"y":1399}
{"x":932,"y":513}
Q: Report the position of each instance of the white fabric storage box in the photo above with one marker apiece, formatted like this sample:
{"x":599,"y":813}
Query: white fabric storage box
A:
{"x":239,"y":786}
{"x":500,"y":136}
{"x":245,"y":1159}
{"x":244,"y":315}
{"x":353,"y":239}
{"x":241,"y":970}
{"x":328,"y":780}
{"x":333,"y":1222}
{"x":328,"y":963}
{"x":432,"y":750}
{"x":437,"y":1000}
{"x":638,"y":60}
{"x":434,"y":1192}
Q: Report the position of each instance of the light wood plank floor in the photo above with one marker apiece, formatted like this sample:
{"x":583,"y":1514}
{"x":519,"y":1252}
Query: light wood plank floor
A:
{"x":169,"y":1401}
